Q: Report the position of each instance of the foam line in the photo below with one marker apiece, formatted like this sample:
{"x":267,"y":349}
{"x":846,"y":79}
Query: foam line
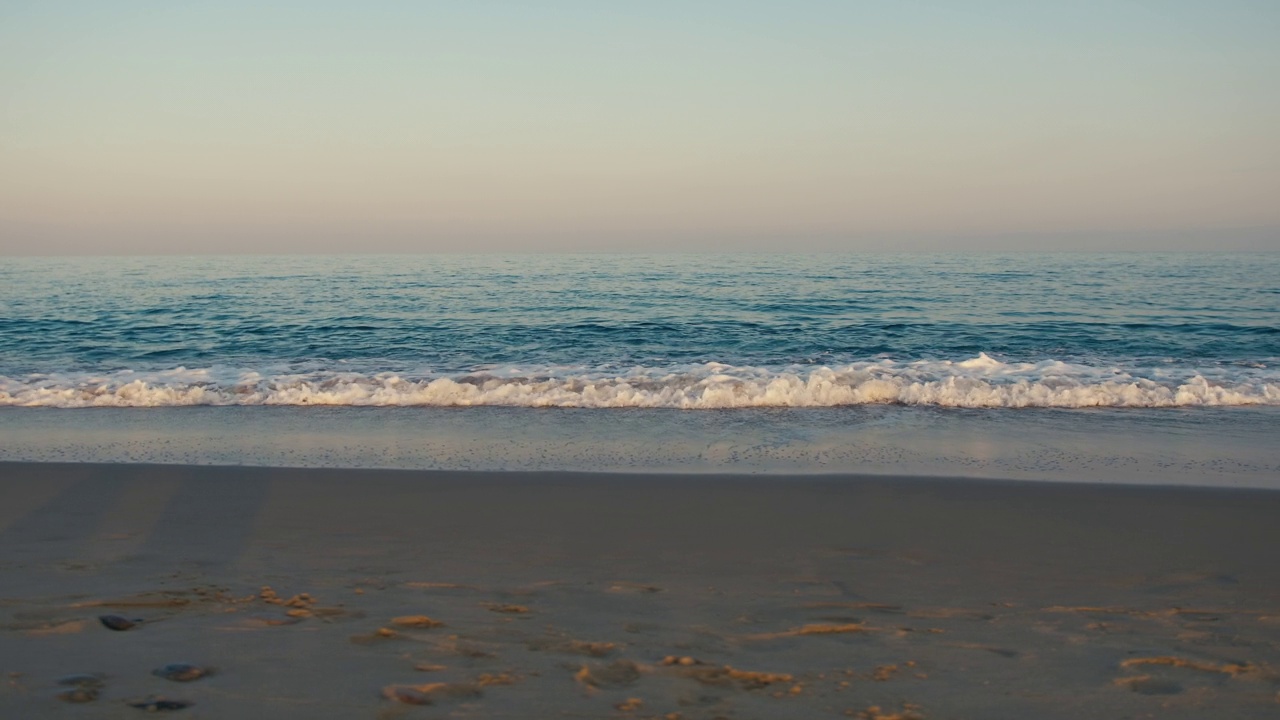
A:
{"x":981,"y":382}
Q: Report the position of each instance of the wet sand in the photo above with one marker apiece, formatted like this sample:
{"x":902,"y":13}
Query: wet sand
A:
{"x":386,"y":594}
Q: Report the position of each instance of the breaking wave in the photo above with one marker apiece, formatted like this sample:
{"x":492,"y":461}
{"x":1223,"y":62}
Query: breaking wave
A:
{"x":981,"y":382}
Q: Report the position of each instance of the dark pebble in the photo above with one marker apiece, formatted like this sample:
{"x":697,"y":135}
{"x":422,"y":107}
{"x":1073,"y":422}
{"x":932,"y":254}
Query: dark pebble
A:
{"x":181,"y":672}
{"x":116,"y":622}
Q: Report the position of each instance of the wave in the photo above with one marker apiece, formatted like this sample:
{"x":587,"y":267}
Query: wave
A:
{"x":981,"y":382}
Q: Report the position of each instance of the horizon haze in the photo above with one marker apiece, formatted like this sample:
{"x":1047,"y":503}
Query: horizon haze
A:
{"x":143,"y":128}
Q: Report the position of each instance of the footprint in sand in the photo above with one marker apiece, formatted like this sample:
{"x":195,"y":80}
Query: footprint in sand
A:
{"x":81,"y":687}
{"x":66,"y":627}
{"x":623,"y":587}
{"x":377,"y":636}
{"x":156,"y":703}
{"x":620,"y":673}
{"x":1148,"y":684}
{"x":572,"y":647}
{"x":508,"y":609}
{"x":265,"y":620}
{"x":432,"y":693}
{"x":724,"y":675}
{"x":78,"y":695}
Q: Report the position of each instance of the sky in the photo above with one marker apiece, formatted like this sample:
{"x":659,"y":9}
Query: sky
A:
{"x":132,"y":127}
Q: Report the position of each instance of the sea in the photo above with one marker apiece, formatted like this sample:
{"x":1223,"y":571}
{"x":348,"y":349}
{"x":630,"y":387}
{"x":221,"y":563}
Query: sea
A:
{"x":1143,"y":368}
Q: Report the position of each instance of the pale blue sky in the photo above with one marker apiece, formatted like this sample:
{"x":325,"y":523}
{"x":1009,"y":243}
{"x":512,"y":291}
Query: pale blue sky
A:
{"x":165,"y":126}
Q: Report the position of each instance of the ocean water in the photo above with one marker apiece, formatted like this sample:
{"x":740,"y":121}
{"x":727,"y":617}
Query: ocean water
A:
{"x":603,"y":331}
{"x":806,"y":352}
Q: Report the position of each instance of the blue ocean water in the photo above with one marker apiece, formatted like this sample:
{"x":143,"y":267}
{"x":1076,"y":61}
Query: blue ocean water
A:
{"x":664,"y":331}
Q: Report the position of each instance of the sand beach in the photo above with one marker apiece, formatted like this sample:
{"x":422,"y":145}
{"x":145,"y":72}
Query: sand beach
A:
{"x":326,"y":593}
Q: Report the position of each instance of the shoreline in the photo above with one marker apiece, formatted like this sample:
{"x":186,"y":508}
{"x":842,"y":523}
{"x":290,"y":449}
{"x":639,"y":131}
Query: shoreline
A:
{"x":566,"y":594}
{"x":1203,"y":447}
{"x":700,"y":475}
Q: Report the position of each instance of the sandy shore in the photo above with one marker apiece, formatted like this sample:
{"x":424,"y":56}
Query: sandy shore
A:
{"x":543,"y":595}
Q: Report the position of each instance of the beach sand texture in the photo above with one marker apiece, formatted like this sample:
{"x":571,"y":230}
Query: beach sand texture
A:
{"x":388,"y":594}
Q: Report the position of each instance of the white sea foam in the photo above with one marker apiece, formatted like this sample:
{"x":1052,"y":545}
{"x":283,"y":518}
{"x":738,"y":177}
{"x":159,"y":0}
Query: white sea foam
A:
{"x":981,"y":382}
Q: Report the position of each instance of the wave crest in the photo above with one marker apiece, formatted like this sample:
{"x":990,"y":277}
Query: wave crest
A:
{"x":981,"y":382}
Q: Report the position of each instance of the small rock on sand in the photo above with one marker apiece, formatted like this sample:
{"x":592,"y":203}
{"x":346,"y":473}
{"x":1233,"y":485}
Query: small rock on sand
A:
{"x":118,"y":622}
{"x":181,"y":672}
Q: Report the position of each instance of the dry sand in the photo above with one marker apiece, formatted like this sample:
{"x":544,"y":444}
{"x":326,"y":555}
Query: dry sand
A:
{"x":388,"y":594}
